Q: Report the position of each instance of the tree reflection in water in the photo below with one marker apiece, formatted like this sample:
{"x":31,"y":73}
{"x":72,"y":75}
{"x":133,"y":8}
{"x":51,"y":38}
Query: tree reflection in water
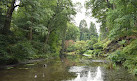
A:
{"x":90,"y":76}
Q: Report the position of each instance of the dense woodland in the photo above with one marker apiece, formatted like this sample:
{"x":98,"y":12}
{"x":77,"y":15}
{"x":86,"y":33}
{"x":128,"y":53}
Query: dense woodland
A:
{"x":36,"y":29}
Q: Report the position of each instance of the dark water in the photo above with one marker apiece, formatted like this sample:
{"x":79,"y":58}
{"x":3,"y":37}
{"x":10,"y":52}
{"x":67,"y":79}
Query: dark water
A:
{"x":72,"y":68}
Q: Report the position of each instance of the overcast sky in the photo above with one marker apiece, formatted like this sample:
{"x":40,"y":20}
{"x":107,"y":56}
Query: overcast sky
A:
{"x":81,"y":15}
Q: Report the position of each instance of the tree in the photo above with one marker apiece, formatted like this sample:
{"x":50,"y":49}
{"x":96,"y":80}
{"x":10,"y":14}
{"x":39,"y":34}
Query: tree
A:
{"x":83,"y":30}
{"x":1,"y":20}
{"x":93,"y":30}
{"x":72,"y":32}
{"x":98,"y":9}
{"x":10,"y":6}
{"x":122,"y":20}
{"x":38,"y":28}
{"x":83,"y":24}
{"x":30,"y":14}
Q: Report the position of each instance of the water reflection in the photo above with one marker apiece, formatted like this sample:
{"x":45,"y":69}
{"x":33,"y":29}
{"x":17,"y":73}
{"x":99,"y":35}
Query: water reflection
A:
{"x":83,"y":75}
{"x":71,"y":69}
{"x":98,"y":76}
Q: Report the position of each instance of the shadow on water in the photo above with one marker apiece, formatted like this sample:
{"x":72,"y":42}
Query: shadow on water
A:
{"x":71,"y":68}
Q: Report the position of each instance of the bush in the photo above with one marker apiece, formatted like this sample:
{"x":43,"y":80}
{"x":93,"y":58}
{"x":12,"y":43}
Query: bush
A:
{"x":4,"y":52}
{"x":91,"y":43}
{"x":117,"y":57}
{"x":98,"y":45}
{"x":127,"y":56}
{"x":106,"y":43}
{"x":79,"y":47}
{"x":131,"y":64}
{"x":89,"y":52}
{"x":95,"y":52}
{"x":131,"y":58}
{"x":22,"y":50}
{"x":41,"y":47}
{"x":131,"y":49}
{"x":71,"y":48}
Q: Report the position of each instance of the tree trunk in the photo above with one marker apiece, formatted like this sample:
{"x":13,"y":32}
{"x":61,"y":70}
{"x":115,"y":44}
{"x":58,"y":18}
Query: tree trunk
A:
{"x":6,"y":28}
{"x":108,"y":4}
{"x":114,"y":6}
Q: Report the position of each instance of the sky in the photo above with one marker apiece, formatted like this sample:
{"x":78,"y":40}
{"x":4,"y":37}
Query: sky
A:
{"x":17,"y":3}
{"x":81,"y":15}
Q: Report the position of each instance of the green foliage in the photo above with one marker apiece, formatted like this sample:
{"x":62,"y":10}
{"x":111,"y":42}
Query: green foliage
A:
{"x":42,"y":48}
{"x":135,"y":71}
{"x":84,"y":32}
{"x":79,"y":47}
{"x":131,"y":49}
{"x":131,"y":64}
{"x":97,"y":52}
{"x":131,"y":57}
{"x":91,"y":42}
{"x":22,"y":50}
{"x":89,"y":52}
{"x":118,"y":19}
{"x":98,"y":45}
{"x":87,"y":33}
{"x":106,"y":43}
{"x":123,"y":42}
{"x":71,"y":48}
{"x":83,"y":24}
{"x":5,"y":41}
{"x":117,"y":57}
{"x":72,"y":32}
{"x":55,"y":44}
{"x":93,"y":30}
{"x":98,"y":8}
{"x":124,"y":23}
{"x":127,"y":56}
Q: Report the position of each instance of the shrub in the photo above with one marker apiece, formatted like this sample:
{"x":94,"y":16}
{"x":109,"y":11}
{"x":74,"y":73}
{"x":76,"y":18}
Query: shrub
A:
{"x":131,"y":52}
{"x":22,"y":50}
{"x":131,"y":64}
{"x":117,"y":57}
{"x":71,"y":48}
{"x":127,"y":56}
{"x":91,"y":43}
{"x":122,"y":42}
{"x":79,"y":47}
{"x":107,"y":42}
{"x":4,"y":55}
{"x":131,"y":49}
{"x":97,"y":52}
{"x":98,"y":45}
{"x":41,"y":47}
{"x":89,"y":52}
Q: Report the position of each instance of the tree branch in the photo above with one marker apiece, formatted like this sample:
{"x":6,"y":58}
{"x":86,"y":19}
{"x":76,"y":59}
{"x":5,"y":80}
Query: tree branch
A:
{"x":18,"y":6}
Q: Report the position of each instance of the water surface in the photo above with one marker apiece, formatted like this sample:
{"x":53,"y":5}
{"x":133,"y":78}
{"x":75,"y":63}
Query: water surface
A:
{"x":72,"y":68}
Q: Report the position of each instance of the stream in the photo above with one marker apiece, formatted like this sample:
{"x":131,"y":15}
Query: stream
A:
{"x":71,"y":68}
